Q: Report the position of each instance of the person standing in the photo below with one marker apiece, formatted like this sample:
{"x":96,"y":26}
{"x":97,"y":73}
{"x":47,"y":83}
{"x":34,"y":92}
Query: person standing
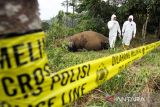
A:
{"x":113,"y":27}
{"x":128,"y":32}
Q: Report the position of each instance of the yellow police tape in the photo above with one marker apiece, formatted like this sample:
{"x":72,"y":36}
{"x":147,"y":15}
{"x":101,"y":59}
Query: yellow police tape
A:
{"x":27,"y":81}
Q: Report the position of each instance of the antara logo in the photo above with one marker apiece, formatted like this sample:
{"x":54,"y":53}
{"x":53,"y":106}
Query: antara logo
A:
{"x":114,"y":99}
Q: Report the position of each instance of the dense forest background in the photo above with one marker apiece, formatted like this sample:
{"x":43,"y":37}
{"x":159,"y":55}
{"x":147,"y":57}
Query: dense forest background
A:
{"x":94,"y":15}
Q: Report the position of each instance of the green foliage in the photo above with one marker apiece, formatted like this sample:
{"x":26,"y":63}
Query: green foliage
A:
{"x":95,"y":14}
{"x":45,"y":25}
{"x":140,"y":9}
{"x":60,"y":18}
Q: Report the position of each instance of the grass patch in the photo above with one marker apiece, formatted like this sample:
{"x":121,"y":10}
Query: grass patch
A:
{"x":143,"y":74}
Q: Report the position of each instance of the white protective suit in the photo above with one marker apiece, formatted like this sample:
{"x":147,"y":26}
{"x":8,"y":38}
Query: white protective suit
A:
{"x":128,"y":31}
{"x":113,"y":27}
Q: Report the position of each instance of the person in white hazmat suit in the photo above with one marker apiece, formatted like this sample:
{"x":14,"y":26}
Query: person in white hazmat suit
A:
{"x":128,"y":32}
{"x":113,"y":27}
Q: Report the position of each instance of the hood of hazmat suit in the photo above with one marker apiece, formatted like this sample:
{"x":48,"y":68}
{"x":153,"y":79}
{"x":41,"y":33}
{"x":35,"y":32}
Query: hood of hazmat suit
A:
{"x":130,"y":17}
{"x":110,"y":23}
{"x":113,"y":16}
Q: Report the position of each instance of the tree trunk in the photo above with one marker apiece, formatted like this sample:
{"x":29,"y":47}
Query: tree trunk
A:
{"x":144,"y":29}
{"x":73,"y":15}
{"x":19,"y":16}
{"x":66,"y":13}
{"x":67,"y":6}
{"x":73,"y":8}
{"x":158,"y":31}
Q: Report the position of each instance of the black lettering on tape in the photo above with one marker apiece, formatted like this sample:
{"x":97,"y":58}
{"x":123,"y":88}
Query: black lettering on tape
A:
{"x":79,"y":71}
{"x":143,"y":51}
{"x":70,"y":96}
{"x":6,"y":81}
{"x":4,"y":57}
{"x":41,"y":104}
{"x":89,"y":67}
{"x":138,"y":51}
{"x":76,"y":93}
{"x":73,"y":94}
{"x":121,"y":67}
{"x":17,"y":55}
{"x":64,"y":80}
{"x":40,"y":48}
{"x":5,"y":104}
{"x":63,"y":99}
{"x":37,"y":92}
{"x":82,"y":88}
{"x":44,"y":43}
{"x":47,"y":69}
{"x":50,"y":102}
{"x":84,"y":70}
{"x":30,"y":49}
{"x":29,"y":105}
{"x":25,"y":96}
{"x":120,"y":58}
{"x":72,"y":76}
{"x":38,"y":75}
{"x":133,"y":53}
{"x":55,"y":79}
{"x":24,"y":82}
{"x":113,"y":60}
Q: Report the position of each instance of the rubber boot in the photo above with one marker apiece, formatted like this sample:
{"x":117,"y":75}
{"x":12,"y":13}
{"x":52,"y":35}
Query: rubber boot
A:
{"x":127,"y":47}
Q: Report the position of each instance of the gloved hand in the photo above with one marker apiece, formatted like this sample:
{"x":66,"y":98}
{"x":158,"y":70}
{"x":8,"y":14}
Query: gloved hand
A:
{"x":122,"y":33}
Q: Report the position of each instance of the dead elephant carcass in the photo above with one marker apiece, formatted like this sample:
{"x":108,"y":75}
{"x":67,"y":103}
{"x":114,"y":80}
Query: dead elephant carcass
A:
{"x":88,"y":40}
